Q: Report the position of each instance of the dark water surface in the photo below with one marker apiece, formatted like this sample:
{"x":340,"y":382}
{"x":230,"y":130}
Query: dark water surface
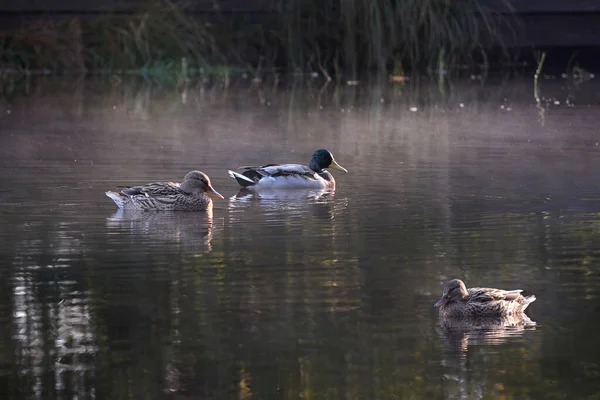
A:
{"x":304,"y":295}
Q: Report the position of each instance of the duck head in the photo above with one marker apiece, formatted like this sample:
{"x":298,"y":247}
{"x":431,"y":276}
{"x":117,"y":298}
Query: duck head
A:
{"x":454,"y":290}
{"x":322,"y":159}
{"x":198,"y":182}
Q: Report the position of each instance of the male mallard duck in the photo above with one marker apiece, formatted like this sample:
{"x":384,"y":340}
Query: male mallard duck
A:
{"x":189,"y":195}
{"x":291,"y":176}
{"x":480,"y":303}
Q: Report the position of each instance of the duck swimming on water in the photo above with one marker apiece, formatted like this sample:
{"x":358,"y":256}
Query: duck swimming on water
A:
{"x":291,"y":176}
{"x":458,"y":302}
{"x":189,"y":195}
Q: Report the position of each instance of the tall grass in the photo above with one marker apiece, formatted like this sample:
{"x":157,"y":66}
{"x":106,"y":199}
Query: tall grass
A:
{"x":333,"y":37}
{"x":159,"y":40}
{"x":368,"y":35}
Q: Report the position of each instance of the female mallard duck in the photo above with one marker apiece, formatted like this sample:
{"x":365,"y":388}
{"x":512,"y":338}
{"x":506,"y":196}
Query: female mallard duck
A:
{"x":481,"y":303}
{"x":189,"y":195}
{"x":291,"y":176}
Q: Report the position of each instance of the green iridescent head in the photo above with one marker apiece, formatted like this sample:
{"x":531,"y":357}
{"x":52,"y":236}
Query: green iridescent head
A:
{"x":322,"y":159}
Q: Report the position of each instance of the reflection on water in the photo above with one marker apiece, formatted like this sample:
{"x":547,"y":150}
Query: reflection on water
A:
{"x":319,"y":203}
{"x":192,"y":230}
{"x":490,"y":348}
{"x":298,"y":294}
{"x":460,"y":338}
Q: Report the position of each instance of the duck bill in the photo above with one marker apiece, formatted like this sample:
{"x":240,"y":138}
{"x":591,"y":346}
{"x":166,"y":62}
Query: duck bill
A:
{"x":441,"y":302}
{"x":337,"y":166}
{"x":211,"y":191}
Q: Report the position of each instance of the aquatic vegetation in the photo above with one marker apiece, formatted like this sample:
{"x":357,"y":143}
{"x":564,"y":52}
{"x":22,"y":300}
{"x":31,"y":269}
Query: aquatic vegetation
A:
{"x":160,"y":41}
{"x":536,"y":88}
{"x":395,"y":36}
{"x":331,"y":38}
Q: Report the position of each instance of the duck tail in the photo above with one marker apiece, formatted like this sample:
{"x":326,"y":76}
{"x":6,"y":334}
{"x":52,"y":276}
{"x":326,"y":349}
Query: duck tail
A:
{"x":117,"y":198}
{"x":243,"y":180}
{"x":528,"y":301}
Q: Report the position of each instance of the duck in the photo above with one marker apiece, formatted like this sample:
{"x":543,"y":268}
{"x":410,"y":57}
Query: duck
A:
{"x":291,"y":176}
{"x":458,"y":302}
{"x":189,"y":195}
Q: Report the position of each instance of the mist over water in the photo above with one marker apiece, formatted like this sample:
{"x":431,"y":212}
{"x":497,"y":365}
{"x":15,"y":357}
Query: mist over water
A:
{"x":307,"y":293}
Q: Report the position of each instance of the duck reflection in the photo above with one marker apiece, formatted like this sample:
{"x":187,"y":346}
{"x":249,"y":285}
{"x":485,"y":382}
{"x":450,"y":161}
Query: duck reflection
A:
{"x":193,"y":231}
{"x":486,"y":343}
{"x":318,"y":201}
{"x":458,"y":335}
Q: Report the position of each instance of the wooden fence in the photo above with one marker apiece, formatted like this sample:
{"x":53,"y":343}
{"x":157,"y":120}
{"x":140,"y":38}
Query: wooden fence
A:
{"x":543,"y":23}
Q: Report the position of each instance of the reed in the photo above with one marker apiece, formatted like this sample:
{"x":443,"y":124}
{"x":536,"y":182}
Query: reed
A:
{"x":331,"y":37}
{"x":161,"y":40}
{"x":366,"y":35}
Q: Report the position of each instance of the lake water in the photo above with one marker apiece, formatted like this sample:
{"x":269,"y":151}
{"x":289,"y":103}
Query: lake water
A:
{"x":302,"y":295}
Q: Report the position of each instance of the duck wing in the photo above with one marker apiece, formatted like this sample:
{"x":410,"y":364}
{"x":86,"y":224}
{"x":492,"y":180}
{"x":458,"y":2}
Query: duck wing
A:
{"x":274,"y":174}
{"x":275,"y":170}
{"x":287,"y":170}
{"x":154,"y":189}
{"x":483,"y":295}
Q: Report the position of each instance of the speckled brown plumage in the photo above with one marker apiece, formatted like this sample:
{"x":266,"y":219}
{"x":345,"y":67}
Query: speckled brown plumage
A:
{"x":189,"y":195}
{"x":459,"y":303}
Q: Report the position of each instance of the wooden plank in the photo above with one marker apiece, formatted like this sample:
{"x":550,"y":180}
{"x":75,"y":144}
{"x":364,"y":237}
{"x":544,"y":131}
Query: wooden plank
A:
{"x":543,"y":6}
{"x":520,"y":6}
{"x":556,"y":30}
{"x":67,"y":5}
{"x":556,"y":6}
{"x":545,"y":23}
{"x":74,"y":6}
